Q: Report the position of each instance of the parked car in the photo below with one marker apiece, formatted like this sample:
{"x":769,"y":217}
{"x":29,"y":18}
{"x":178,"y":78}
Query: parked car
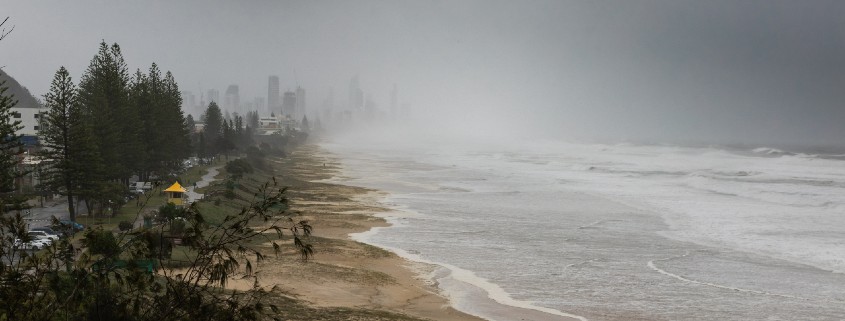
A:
{"x":76,"y":226}
{"x":67,"y":227}
{"x":35,"y":244}
{"x":50,"y":232}
{"x":41,"y":235}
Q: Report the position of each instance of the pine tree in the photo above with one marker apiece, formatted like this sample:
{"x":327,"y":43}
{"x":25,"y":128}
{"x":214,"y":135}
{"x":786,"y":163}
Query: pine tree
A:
{"x":56,"y":135}
{"x":69,"y":144}
{"x":177,"y":133}
{"x":10,"y":151}
{"x":140,"y":102}
{"x":103,"y":94}
{"x":213,"y":128}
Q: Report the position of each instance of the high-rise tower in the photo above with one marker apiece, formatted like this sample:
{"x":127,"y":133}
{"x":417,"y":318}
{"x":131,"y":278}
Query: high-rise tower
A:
{"x":300,"y":103}
{"x":273,"y":97}
{"x":213,"y":95}
{"x":232,"y":100}
{"x":289,"y":104}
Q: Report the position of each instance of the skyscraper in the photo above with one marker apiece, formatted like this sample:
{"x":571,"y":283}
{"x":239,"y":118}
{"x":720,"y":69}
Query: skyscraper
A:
{"x":289,"y":104}
{"x":189,"y":103}
{"x":213,"y":95}
{"x":300,"y":104}
{"x":273,"y":97}
{"x":232,"y":100}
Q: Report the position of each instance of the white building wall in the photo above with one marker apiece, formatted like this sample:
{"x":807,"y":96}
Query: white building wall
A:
{"x":29,"y":118}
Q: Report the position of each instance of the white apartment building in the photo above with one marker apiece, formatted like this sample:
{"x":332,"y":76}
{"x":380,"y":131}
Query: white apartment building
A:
{"x":30,"y":119}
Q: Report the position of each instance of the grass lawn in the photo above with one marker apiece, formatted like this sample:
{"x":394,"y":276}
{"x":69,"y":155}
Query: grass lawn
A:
{"x":150,"y":201}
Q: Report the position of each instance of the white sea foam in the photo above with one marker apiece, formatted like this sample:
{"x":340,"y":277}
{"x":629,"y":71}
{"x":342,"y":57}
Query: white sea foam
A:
{"x":545,"y":222}
{"x":494,"y":291}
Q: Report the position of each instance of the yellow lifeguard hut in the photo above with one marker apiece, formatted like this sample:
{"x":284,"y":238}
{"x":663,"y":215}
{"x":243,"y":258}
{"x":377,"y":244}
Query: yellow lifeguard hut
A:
{"x":175,"y":193}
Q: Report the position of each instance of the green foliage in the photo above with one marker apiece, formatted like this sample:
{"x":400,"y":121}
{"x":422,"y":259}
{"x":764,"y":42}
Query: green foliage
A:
{"x":10,"y":152}
{"x":213,"y":129}
{"x":178,"y":227}
{"x":104,"y":96}
{"x":157,"y":102}
{"x":125,"y":225}
{"x":101,"y":242}
{"x":169,"y":211}
{"x":255,"y":156}
{"x":230,"y":189}
{"x":110,"y":280}
{"x":237,"y":168}
{"x":69,"y":143}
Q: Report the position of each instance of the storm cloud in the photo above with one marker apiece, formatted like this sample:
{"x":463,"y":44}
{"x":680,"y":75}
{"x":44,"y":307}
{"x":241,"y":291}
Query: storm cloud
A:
{"x":747,"y":72}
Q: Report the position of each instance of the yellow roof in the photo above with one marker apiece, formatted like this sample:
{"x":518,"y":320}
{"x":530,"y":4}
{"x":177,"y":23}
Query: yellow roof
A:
{"x":176,"y":188}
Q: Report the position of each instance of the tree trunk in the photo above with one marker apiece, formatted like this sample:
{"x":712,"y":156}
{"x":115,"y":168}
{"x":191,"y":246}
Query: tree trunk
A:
{"x":70,"y":208}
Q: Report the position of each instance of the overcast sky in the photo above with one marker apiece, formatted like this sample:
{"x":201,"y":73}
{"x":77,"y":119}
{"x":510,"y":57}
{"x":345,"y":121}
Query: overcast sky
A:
{"x":753,"y":72}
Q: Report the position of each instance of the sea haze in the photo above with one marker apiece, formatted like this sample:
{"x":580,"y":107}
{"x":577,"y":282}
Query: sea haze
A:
{"x":616,"y":232}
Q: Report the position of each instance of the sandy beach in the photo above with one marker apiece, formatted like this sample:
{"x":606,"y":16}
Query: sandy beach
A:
{"x":346,"y":277}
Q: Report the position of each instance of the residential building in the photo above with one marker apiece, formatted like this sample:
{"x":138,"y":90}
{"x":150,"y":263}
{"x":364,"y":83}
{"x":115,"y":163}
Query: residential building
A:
{"x":30,"y":121}
{"x":232,"y":99}
{"x":213,"y":95}
{"x":300,"y":103}
{"x":289,"y":103}
{"x":273,"y":97}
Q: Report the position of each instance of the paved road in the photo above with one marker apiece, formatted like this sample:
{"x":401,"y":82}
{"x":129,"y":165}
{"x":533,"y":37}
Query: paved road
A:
{"x":40,"y":216}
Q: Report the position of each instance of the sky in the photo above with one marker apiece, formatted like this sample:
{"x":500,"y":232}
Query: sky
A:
{"x":743,"y":72}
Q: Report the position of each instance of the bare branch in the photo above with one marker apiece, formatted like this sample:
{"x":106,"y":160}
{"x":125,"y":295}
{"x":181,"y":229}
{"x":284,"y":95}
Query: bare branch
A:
{"x":3,"y":32}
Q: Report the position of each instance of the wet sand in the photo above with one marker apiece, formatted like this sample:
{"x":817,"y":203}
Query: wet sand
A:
{"x":345,"y":273}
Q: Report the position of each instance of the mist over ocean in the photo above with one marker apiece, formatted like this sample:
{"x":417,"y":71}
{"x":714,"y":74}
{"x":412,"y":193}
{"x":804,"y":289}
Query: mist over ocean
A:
{"x":616,"y":232}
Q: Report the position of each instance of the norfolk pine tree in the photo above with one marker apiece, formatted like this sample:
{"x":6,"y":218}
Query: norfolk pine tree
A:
{"x":103,"y":95}
{"x":10,"y":153}
{"x":60,"y":101}
{"x":69,"y":144}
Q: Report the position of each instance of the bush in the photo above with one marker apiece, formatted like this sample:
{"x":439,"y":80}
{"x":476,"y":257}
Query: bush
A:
{"x":101,"y":242}
{"x":237,"y":168}
{"x":114,"y":283}
{"x":169,"y":211}
{"x":125,"y":225}
{"x":177,"y":227}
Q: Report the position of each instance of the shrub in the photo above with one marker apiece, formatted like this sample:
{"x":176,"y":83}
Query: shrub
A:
{"x":125,"y":225}
{"x":101,"y":242}
{"x":237,"y":168}
{"x":169,"y":211}
{"x":177,"y":227}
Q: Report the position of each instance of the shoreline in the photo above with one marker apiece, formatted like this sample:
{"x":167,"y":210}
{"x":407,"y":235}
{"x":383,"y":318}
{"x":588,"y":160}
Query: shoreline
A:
{"x":344,"y":273}
{"x":463,"y":290}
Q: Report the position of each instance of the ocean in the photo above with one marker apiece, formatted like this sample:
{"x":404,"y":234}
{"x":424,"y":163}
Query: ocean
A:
{"x":614,"y":232}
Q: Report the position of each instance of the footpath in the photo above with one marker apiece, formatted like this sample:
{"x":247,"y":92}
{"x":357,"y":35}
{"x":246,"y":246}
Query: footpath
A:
{"x":206,"y":179}
{"x":190,"y":193}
